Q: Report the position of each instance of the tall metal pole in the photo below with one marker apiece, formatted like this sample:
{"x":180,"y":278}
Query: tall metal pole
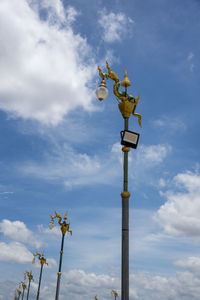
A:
{"x":23,"y":294}
{"x":125,"y":225}
{"x":30,"y":277}
{"x":29,"y":283}
{"x":43,"y":261}
{"x":38,"y":292}
{"x":127,"y":105}
{"x":59,"y":270}
{"x":64,"y":226}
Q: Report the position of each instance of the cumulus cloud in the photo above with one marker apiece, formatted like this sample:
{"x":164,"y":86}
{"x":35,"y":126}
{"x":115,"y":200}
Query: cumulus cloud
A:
{"x":18,"y":231}
{"x":15,"y":252}
{"x":55,"y":230}
{"x":143,"y":285}
{"x":43,"y":64}
{"x":179,"y":216}
{"x":183,"y":286}
{"x":153,"y":154}
{"x":115,"y":25}
{"x":191,"y":263}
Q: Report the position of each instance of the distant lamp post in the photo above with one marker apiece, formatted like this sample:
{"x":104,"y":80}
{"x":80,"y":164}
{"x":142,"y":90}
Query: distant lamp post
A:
{"x":64,"y":227}
{"x":22,"y":284}
{"x":42,"y":260}
{"x":127,"y":105}
{"x":17,"y":294}
{"x":28,"y":275}
{"x":115,"y":294}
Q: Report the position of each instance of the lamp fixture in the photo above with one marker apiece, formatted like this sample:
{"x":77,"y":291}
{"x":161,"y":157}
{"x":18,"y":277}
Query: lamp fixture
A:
{"x":129,"y":138}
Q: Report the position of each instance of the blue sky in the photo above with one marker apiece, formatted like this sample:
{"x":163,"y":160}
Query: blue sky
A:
{"x":60,"y":146}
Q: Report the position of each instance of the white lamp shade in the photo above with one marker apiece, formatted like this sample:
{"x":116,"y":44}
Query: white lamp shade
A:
{"x":101,"y":93}
{"x":51,"y":225}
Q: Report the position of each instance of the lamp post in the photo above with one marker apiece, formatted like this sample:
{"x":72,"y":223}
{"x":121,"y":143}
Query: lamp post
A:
{"x":42,"y":260}
{"x":127,"y":105}
{"x":17,"y":294}
{"x":30,"y":278}
{"x":64,"y":227}
{"x":115,"y":294}
{"x":23,"y":285}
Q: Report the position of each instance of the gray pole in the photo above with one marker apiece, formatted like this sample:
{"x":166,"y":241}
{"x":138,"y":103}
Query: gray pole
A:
{"x":59,"y":271}
{"x":38,"y":292}
{"x":125,"y":226}
{"x":28,"y":289}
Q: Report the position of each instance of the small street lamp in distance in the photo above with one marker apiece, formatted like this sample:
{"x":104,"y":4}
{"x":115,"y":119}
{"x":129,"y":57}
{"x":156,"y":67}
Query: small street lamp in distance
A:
{"x":115,"y":294}
{"x":30,"y":278}
{"x":64,"y":227}
{"x":17,"y":294}
{"x":22,"y":284}
{"x":43,"y":261}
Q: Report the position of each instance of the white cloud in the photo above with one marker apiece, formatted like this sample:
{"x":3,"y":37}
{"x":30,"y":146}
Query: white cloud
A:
{"x":183,"y":286}
{"x":170,"y":125}
{"x":191,"y":263}
{"x":115,"y":26}
{"x":71,"y":14}
{"x":77,"y":283}
{"x":18,"y":231}
{"x":143,"y":285}
{"x":190,"y":56}
{"x":153,"y":154}
{"x":179,"y":216}
{"x":47,"y":74}
{"x":190,"y":59}
{"x":55,"y":230}
{"x":15,"y":252}
{"x":75,"y":169}
{"x":162,"y":182}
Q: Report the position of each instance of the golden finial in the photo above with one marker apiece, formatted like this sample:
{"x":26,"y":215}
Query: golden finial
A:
{"x":126,"y":82}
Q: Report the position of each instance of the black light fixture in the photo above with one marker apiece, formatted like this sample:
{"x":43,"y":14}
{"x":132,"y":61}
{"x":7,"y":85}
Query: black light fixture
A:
{"x":129,"y":138}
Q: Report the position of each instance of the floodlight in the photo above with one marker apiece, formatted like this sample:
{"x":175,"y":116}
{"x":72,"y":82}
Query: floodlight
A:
{"x":129,"y":138}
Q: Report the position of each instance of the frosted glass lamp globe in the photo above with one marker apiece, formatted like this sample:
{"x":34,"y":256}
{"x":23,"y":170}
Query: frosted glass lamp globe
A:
{"x":101,"y":93}
{"x":51,"y":225}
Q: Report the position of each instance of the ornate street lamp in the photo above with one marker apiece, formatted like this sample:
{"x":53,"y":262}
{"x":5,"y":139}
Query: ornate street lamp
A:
{"x":127,"y":105}
{"x":64,"y":227}
{"x":115,"y":294}
{"x":43,"y":261}
{"x":22,"y":285}
{"x":30,"y":278}
{"x":17,"y":294}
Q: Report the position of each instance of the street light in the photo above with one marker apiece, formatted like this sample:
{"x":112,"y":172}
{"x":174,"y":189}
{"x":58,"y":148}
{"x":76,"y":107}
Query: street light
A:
{"x":17,"y":294}
{"x":22,"y":285}
{"x":115,"y":294}
{"x":127,"y":105}
{"x":129,"y":138}
{"x":43,"y":261}
{"x":64,"y":227}
{"x":30,"y":278}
